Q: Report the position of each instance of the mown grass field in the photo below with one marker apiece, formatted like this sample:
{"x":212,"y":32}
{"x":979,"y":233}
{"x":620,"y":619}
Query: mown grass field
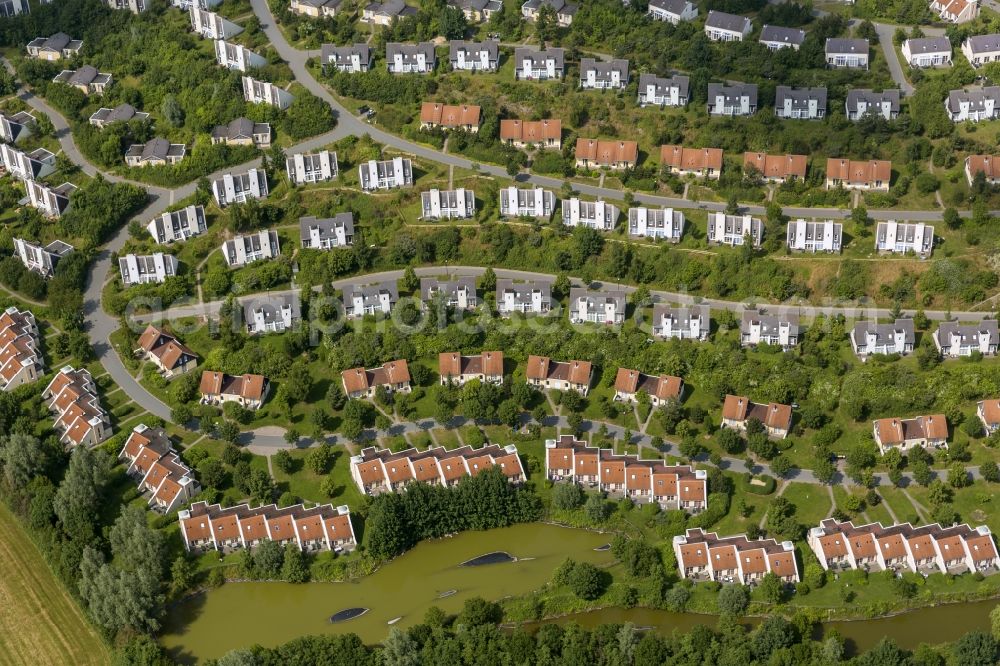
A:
{"x":39,"y":622}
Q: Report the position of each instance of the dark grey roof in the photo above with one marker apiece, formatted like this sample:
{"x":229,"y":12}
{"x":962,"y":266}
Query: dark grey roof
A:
{"x":842,"y":45}
{"x":370,"y":292}
{"x":733,"y":92}
{"x":776,"y":33}
{"x":929,"y":45}
{"x":429,"y":286}
{"x":724,"y":21}
{"x":410,"y":51}
{"x":539,"y":56}
{"x":491,"y":46}
{"x":326,"y":225}
{"x":800,"y":96}
{"x":597,"y":297}
{"x":984,"y":43}
{"x":271,"y":306}
{"x":969,"y":333}
{"x":884,"y":333}
{"x":329,"y":52}
{"x":157,"y":148}
{"x":604,"y":69}
{"x":873,"y":98}
{"x":682,"y":83}
{"x":681,"y":315}
{"x":676,"y":7}
{"x":522,"y":290}
{"x":769,"y":324}
{"x":241,"y":128}
{"x":975,"y":97}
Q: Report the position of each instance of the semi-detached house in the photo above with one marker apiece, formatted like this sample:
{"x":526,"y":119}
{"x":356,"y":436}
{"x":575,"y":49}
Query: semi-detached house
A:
{"x":699,"y":162}
{"x":776,"y":37}
{"x":361,"y":383}
{"x":544,"y":373}
{"x":973,"y":104}
{"x":327,"y":233}
{"x":532,"y":133}
{"x":608,"y":154}
{"x":538,"y":65}
{"x":955,"y":340}
{"x":474,"y":56}
{"x":247,"y":390}
{"x":410,"y":58}
{"x":738,"y":99}
{"x":352,"y":59}
{"x":858,"y":175}
{"x":242,"y":132}
{"x":598,"y":306}
{"x":237,"y":57}
{"x":528,"y":297}
{"x":597,"y":75}
{"x":661,"y":91}
{"x":870,"y":337}
{"x":146,"y":268}
{"x":370,"y":299}
{"x":165,"y":351}
{"x":776,"y":168}
{"x":271,"y":313}
{"x":800,"y":103}
{"x":756,"y":328}
{"x":454,"y":368}
{"x":862,"y":102}
{"x":684,"y":323}
{"x":904,"y":434}
{"x":776,"y":418}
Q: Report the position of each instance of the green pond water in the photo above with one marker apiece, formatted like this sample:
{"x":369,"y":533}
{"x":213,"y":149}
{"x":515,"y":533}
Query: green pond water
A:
{"x":241,"y":614}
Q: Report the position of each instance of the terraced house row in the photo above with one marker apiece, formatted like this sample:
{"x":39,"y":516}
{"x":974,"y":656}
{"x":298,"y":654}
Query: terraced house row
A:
{"x":162,"y":477}
{"x":645,"y":481}
{"x":922,"y":549}
{"x":376,"y":470}
{"x":20,"y":360}
{"x":207,"y":526}
{"x":72,"y":396}
{"x":733,"y":559}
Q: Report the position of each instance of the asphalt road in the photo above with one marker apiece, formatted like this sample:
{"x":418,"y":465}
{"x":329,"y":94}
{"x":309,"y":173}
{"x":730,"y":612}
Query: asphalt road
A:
{"x":211,"y":308}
